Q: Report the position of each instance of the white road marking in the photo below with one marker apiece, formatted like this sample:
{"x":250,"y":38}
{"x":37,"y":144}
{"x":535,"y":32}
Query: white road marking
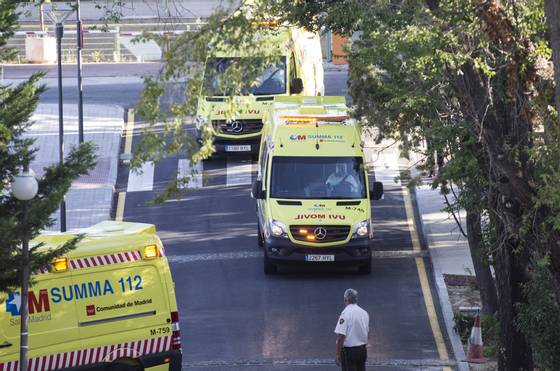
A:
{"x":193,"y":173}
{"x":143,"y":180}
{"x":238,"y":172}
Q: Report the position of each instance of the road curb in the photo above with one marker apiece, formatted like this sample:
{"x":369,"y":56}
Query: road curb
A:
{"x":443,"y":297}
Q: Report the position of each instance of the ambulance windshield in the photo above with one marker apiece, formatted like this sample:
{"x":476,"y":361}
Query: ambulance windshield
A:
{"x":317,"y":178}
{"x":271,"y":81}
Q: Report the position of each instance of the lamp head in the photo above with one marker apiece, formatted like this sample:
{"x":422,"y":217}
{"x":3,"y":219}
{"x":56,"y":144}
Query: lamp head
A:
{"x":25,"y":186}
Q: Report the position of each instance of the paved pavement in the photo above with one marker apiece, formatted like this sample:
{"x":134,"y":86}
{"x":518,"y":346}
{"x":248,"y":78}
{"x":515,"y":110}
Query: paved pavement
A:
{"x":449,"y":252}
{"x":89,"y":200}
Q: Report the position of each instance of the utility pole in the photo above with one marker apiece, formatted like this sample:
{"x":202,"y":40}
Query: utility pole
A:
{"x":80,"y":44}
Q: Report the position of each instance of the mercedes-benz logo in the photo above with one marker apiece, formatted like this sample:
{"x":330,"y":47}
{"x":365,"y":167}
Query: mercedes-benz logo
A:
{"x":320,"y":233}
{"x":236,"y":126}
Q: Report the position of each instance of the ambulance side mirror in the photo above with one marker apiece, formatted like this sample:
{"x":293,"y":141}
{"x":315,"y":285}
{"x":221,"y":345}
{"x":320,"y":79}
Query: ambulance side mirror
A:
{"x":296,"y":86}
{"x":376,"y":192}
{"x":256,"y":191}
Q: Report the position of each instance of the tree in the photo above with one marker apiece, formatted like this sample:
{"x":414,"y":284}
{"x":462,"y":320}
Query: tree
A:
{"x":17,"y":104}
{"x":552,"y":11}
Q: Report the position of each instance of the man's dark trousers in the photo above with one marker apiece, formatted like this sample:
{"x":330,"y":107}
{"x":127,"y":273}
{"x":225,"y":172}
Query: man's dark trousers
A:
{"x":354,"y":358}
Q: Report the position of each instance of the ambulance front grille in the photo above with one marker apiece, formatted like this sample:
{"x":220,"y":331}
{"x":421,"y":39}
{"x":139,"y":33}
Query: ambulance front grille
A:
{"x":332,"y":233}
{"x":238,"y":127}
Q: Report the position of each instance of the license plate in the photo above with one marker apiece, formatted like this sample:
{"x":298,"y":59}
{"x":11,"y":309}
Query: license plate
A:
{"x":319,"y":258}
{"x":238,"y":148}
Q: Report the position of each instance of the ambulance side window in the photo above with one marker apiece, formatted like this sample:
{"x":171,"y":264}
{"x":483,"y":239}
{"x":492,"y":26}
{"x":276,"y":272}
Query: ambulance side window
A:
{"x":266,"y":173}
{"x":264,"y":159}
{"x":293,"y":67}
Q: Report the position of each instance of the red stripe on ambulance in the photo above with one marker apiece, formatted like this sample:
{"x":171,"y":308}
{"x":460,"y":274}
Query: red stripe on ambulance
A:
{"x":96,"y":261}
{"x":94,"y":355}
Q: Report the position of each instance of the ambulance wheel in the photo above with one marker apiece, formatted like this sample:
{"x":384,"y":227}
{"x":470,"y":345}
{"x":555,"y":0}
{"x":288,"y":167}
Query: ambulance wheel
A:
{"x":269,"y":267}
{"x":260,"y":239}
{"x":365,"y":269}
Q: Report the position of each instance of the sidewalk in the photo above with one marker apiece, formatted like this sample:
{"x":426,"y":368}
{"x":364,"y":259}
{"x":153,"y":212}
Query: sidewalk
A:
{"x":449,"y":252}
{"x":90,"y":198}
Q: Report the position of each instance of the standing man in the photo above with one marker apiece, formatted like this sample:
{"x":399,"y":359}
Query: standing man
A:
{"x":352,"y":331}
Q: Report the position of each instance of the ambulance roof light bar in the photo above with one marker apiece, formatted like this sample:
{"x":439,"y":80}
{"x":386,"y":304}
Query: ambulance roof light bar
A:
{"x":298,"y":119}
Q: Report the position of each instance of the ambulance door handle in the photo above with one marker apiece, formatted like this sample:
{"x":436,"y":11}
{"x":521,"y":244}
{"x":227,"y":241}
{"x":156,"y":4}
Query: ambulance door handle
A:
{"x":5,"y":345}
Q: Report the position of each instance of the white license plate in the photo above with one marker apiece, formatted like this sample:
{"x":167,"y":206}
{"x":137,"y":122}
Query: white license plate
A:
{"x":319,"y":258}
{"x":238,"y":148}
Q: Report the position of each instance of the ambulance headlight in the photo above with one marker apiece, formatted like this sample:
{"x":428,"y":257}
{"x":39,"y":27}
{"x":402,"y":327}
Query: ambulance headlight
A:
{"x":361,"y":229}
{"x":278,"y":229}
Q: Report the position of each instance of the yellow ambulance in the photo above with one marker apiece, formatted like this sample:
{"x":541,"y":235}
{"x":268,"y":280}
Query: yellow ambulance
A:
{"x":297,"y":68}
{"x":108,"y":305}
{"x":312,"y":191}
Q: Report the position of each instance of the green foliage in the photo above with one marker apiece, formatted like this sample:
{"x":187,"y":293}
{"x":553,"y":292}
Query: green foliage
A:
{"x":8,"y":24}
{"x":539,"y":318}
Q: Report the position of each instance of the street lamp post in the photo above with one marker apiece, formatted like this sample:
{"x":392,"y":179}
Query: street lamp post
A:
{"x":24,"y":188}
{"x":58,"y":16}
{"x":80,"y":45}
{"x":59,"y":34}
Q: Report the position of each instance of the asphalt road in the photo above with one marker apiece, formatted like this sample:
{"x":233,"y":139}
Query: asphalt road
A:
{"x":234,"y":317}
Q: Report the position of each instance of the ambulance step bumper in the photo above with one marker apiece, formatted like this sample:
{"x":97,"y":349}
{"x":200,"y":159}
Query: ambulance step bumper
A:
{"x":280,"y":251}
{"x":174,"y":357}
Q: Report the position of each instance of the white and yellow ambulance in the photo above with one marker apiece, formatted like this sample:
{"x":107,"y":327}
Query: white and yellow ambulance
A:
{"x":108,"y":305}
{"x":297,"y":68}
{"x":312,"y":191}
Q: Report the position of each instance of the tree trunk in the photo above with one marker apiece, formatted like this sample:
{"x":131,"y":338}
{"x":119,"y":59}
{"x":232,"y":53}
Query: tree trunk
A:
{"x":552,"y":12}
{"x":509,"y":184}
{"x":510,"y":267}
{"x":488,"y":294}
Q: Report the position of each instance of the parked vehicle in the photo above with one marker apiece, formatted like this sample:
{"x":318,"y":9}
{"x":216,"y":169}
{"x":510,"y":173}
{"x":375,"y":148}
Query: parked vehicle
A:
{"x":108,"y":305}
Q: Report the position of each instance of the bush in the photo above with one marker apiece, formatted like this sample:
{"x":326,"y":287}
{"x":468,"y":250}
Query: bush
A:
{"x":539,"y":318}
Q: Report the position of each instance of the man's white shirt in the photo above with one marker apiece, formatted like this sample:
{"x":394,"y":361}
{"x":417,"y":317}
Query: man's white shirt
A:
{"x":354,"y":324}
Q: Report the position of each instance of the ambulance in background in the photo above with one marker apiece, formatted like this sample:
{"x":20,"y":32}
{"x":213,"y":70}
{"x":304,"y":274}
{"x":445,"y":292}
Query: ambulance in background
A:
{"x":297,"y":68}
{"x":107,"y":305}
{"x":312,"y":191}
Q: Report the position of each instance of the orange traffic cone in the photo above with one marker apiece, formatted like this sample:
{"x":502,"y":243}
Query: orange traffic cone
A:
{"x":475,"y":350}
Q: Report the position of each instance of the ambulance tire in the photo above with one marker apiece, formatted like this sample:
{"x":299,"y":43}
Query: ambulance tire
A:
{"x":260,"y":239}
{"x":269,"y":267}
{"x":365,"y":269}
